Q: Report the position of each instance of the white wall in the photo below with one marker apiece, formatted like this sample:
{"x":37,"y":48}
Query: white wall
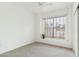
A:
{"x":75,"y":4}
{"x":60,"y":12}
{"x":75,"y":28}
{"x":16,"y":27}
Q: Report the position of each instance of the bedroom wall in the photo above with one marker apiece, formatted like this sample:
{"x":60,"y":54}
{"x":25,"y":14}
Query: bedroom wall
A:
{"x":16,"y":27}
{"x":75,"y":28}
{"x":64,"y":11}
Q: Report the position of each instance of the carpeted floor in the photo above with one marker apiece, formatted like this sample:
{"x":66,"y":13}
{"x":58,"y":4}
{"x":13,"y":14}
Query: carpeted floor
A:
{"x":39,"y":50}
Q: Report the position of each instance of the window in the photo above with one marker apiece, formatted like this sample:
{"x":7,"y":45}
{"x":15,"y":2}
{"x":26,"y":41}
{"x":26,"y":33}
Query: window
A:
{"x":54,"y":27}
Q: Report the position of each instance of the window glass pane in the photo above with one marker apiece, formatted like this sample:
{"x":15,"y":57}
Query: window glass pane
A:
{"x":55,"y":32}
{"x":57,"y":27}
{"x":54,"y":27}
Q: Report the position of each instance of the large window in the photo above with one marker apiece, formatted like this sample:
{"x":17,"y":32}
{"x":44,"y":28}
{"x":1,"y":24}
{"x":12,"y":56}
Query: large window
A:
{"x":54,"y":27}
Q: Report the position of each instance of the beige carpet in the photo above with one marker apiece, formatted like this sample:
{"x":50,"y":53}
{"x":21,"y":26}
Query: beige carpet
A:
{"x":39,"y":50}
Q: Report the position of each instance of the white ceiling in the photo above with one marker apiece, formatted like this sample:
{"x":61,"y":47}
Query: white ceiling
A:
{"x":50,"y":6}
{"x":37,"y":8}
